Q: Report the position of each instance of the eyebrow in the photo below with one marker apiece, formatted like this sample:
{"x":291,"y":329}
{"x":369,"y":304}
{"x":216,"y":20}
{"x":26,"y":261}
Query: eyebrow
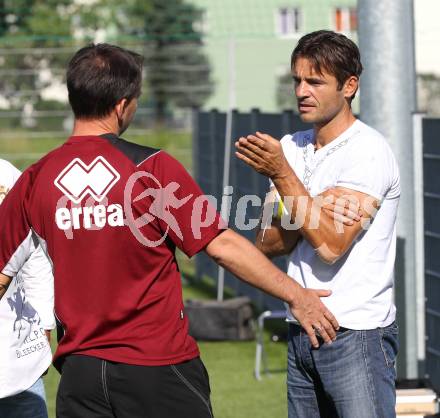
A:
{"x":309,"y":79}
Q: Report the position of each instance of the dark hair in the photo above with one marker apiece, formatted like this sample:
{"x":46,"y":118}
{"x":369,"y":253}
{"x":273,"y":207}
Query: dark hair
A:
{"x":330,"y":51}
{"x":99,"y":76}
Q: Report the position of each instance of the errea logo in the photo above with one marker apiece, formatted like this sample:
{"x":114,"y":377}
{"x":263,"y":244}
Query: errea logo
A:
{"x":78,"y":181}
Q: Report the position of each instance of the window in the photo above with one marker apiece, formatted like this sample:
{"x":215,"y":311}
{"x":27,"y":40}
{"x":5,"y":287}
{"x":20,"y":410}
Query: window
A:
{"x":345,"y":19}
{"x":288,"y":21}
{"x":201,"y":25}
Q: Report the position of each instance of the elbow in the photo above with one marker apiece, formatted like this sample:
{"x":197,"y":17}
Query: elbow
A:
{"x":215,"y":254}
{"x":218,"y":258}
{"x":263,"y":248}
{"x":329,"y":254}
{"x":328,"y":259}
{"x":259,"y":244}
{"x":220,"y":248}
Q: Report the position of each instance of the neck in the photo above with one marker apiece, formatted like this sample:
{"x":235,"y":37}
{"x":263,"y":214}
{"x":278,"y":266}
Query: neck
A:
{"x":94,"y":127}
{"x":327,"y":132}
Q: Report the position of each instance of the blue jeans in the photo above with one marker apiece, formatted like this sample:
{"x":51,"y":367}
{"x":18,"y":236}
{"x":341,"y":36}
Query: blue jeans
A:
{"x":354,"y":377}
{"x":28,"y":404}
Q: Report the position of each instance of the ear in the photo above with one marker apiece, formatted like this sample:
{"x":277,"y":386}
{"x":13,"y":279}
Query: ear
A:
{"x":350,"y":87}
{"x":120,"y":108}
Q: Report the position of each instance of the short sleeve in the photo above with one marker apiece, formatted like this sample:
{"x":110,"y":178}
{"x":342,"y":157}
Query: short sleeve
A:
{"x":15,"y":229}
{"x":8,"y":176}
{"x":183,"y":212}
{"x":38,"y":282}
{"x":20,"y":253}
{"x":370,"y":169}
{"x":15,"y":173}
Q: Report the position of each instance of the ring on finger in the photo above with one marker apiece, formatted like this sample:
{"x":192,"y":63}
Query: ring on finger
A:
{"x":317,"y":329}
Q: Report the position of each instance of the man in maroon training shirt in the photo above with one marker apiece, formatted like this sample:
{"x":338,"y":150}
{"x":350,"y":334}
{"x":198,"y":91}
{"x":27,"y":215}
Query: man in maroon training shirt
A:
{"x":110,"y":215}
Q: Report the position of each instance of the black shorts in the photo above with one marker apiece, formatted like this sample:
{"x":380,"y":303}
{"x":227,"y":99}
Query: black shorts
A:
{"x":96,"y":388}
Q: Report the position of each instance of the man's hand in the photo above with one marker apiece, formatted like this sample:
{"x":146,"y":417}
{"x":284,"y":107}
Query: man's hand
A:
{"x":264,"y":154}
{"x":313,"y":316}
{"x":242,"y":259}
{"x":5,"y":281}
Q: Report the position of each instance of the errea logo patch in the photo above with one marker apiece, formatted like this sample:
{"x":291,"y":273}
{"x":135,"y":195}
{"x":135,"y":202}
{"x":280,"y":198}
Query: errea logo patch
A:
{"x":78,"y":180}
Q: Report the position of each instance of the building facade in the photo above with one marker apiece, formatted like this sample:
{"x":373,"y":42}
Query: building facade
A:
{"x":249,"y":43}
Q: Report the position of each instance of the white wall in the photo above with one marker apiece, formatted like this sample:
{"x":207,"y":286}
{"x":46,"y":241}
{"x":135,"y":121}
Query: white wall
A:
{"x":427,"y":39}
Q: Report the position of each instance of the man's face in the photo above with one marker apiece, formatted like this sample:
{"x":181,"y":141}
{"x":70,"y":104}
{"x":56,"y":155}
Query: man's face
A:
{"x":128,"y":115}
{"x":319,"y":99}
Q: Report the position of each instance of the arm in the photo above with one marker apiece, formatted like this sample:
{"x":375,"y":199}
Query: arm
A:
{"x":329,"y":238}
{"x":5,"y":281}
{"x":38,"y":283}
{"x":273,"y":240}
{"x":30,"y":260}
{"x":319,"y":227}
{"x":242,"y":259}
{"x":6,"y":226}
{"x":16,"y":237}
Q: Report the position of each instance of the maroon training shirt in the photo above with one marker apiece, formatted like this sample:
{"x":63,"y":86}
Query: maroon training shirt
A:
{"x":117,"y":284}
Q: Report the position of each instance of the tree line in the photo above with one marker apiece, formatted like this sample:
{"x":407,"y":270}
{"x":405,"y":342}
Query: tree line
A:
{"x":37,"y":37}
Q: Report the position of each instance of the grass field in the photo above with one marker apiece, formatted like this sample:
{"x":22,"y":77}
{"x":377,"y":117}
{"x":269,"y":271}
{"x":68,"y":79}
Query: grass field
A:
{"x":21,"y":150}
{"x":235,"y":391}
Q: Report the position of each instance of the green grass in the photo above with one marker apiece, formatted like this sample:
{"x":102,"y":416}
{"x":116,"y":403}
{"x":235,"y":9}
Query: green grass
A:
{"x":51,"y":381}
{"x":235,"y":393}
{"x":23,"y":151}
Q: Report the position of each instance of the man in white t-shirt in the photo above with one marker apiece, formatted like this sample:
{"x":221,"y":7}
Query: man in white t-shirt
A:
{"x":26,"y":316}
{"x":354,"y":376}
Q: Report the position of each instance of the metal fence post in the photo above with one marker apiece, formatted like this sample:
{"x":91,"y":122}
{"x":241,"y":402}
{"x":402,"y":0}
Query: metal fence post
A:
{"x":419,"y":239}
{"x":388,"y":100}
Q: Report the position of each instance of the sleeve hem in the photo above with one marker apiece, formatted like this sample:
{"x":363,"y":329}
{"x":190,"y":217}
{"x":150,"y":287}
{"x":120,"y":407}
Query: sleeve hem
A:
{"x":8,"y":272}
{"x":200,"y":244}
{"x":361,"y":189}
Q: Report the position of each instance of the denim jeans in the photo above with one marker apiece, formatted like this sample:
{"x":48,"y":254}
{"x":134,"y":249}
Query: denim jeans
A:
{"x":28,"y":404}
{"x":354,"y":377}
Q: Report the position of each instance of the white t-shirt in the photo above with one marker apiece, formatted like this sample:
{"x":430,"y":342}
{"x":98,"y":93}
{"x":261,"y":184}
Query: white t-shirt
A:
{"x":26,"y":310}
{"x":362,"y":280}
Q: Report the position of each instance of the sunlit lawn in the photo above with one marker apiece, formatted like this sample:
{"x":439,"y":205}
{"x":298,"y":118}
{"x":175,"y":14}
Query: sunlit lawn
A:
{"x":21,"y":150}
{"x":235,"y":391}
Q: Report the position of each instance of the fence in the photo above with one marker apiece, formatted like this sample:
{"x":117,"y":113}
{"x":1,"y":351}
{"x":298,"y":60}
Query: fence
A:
{"x":431,"y":168}
{"x":208,"y":153}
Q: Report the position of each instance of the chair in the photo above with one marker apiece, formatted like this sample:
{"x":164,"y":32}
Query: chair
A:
{"x":260,"y":354}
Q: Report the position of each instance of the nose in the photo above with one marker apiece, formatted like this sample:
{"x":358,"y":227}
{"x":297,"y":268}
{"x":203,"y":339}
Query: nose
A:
{"x":301,"y":90}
